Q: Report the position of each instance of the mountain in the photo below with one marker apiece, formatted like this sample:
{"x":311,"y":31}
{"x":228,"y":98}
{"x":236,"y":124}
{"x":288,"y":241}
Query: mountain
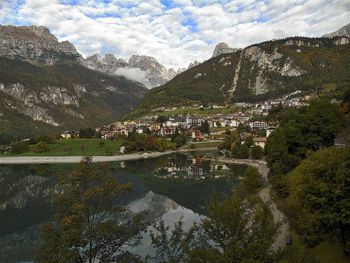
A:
{"x":45,"y":88}
{"x":344,"y":31}
{"x":35,"y":44}
{"x":222,"y":48}
{"x":257,"y":72}
{"x":144,"y":69}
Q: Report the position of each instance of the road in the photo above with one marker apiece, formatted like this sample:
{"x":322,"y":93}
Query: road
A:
{"x":77,"y":159}
{"x":278,"y":217}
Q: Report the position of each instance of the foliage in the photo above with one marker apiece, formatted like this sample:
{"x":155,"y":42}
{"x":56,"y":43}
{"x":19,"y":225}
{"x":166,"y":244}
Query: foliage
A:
{"x":205,"y":127}
{"x":162,"y":118}
{"x":242,"y":152}
{"x":300,"y":131}
{"x":173,"y":247}
{"x":179,"y":139}
{"x":49,"y":139}
{"x":252,"y":180}
{"x":257,"y":152}
{"x":325,"y":193}
{"x":231,"y":142}
{"x":88,"y":225}
{"x":143,"y":142}
{"x":236,"y":230}
{"x":86,"y":133}
{"x":41,"y":147}
{"x":20,"y":147}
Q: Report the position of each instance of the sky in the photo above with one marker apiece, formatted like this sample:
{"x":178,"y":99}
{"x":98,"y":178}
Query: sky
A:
{"x":175,"y":32}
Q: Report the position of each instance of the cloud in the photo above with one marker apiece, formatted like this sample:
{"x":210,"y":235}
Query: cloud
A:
{"x":134,"y":74}
{"x":175,"y":32}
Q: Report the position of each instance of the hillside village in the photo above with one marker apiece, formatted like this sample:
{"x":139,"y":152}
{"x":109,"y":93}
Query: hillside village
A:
{"x":249,"y":118}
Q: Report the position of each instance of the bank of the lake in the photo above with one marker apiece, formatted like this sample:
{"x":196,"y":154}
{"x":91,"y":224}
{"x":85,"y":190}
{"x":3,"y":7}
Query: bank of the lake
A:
{"x":109,"y":158}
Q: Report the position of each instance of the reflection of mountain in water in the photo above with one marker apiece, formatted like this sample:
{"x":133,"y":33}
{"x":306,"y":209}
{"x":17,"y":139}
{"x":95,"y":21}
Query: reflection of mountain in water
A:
{"x":159,"y":207}
{"x":26,"y":195}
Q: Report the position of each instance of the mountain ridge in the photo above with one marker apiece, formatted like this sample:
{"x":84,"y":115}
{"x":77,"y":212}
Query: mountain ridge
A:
{"x":257,"y":72}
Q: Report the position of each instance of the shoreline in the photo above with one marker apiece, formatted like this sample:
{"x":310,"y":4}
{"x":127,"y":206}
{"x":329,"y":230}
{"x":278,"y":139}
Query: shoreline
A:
{"x":77,"y":159}
{"x":278,"y":217}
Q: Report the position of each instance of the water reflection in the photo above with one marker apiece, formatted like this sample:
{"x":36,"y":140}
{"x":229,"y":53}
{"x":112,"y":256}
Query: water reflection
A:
{"x":168,"y":187}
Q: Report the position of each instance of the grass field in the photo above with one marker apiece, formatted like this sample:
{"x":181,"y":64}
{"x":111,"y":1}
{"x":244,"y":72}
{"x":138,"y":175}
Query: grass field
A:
{"x":76,"y":147}
{"x":203,"y":145}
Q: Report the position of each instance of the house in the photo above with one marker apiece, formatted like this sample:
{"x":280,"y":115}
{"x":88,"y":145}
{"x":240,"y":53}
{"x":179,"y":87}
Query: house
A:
{"x":260,"y":141}
{"x":70,"y":134}
{"x":196,"y":122}
{"x":167,"y":131}
{"x":260,"y":125}
{"x":195,"y":134}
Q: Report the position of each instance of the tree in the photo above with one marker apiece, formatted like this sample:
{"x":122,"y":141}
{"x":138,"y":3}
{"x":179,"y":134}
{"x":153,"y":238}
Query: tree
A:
{"x":300,"y":131}
{"x":242,"y":152}
{"x":236,"y":230}
{"x":257,"y":152}
{"x":41,"y":147}
{"x":171,"y":246}
{"x":231,"y":142}
{"x":205,"y":127}
{"x":89,"y":226}
{"x":325,"y":192}
{"x":162,"y":119}
{"x":252,"y":179}
{"x":86,"y":133}
{"x":19,"y":147}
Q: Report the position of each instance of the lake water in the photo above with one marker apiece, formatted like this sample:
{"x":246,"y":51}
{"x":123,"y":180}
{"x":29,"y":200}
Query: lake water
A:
{"x":169,"y":187}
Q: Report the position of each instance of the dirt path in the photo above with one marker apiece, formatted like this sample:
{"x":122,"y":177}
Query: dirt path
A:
{"x":264,"y":194}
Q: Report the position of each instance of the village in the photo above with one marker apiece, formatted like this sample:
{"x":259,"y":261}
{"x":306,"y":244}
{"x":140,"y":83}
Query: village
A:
{"x":249,"y":120}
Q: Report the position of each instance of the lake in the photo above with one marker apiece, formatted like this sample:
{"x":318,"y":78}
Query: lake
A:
{"x":169,"y":188}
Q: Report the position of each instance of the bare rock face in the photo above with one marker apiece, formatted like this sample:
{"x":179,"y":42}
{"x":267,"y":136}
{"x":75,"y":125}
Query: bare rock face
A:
{"x":144,"y":69}
{"x":222,"y":48}
{"x":344,"y":31}
{"x":35,"y":44}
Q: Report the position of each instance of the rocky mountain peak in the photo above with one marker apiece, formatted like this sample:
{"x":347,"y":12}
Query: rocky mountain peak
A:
{"x":35,"y":44}
{"x":222,"y":48}
{"x":344,"y":31}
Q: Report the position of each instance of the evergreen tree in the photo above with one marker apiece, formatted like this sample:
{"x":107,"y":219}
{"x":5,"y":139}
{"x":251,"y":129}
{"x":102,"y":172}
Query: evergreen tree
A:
{"x":88,"y":225}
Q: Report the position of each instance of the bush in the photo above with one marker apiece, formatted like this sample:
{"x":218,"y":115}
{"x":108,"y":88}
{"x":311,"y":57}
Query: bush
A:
{"x":257,"y":152}
{"x":243,"y":152}
{"x":252,"y":179}
{"x":49,"y":139}
{"x":20,"y":147}
{"x":41,"y":147}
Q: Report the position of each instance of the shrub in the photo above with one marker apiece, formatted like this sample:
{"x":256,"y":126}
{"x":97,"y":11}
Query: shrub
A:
{"x":20,"y":147}
{"x":41,"y":147}
{"x":257,"y":152}
{"x":252,"y":179}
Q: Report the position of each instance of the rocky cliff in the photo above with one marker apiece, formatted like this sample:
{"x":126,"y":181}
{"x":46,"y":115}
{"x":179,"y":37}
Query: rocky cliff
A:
{"x":222,"y":48}
{"x":344,"y":31}
{"x":35,"y":44}
{"x":257,"y":72}
{"x":144,"y":69}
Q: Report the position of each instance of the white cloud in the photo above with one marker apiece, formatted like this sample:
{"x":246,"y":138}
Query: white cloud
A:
{"x":179,"y":33}
{"x":134,"y":74}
